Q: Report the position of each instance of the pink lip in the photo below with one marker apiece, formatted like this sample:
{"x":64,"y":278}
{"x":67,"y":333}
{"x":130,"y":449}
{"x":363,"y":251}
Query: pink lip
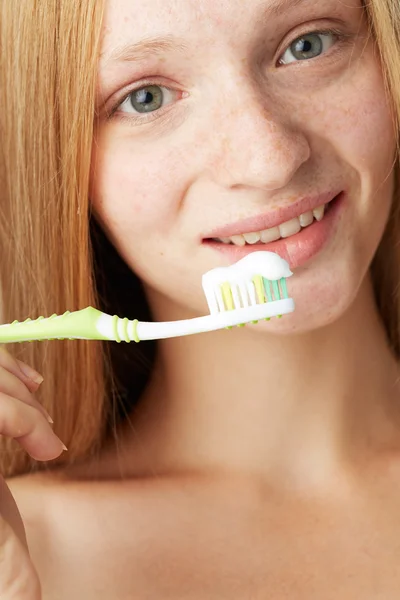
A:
{"x":272,"y":218}
{"x":298,"y":249}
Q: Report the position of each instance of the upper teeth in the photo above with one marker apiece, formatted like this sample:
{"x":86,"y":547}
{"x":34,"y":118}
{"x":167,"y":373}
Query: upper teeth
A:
{"x":275,"y":233}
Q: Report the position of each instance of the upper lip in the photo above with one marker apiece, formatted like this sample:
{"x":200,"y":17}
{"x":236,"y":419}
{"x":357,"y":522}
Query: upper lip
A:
{"x":273,"y":218}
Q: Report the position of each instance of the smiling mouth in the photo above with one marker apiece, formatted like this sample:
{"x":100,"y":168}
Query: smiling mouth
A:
{"x":283,"y":231}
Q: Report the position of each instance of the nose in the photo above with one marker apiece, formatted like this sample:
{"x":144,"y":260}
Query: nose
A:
{"x":255,"y":144}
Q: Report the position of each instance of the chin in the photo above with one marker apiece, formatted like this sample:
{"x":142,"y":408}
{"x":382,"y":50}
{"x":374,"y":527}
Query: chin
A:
{"x":323,"y":295}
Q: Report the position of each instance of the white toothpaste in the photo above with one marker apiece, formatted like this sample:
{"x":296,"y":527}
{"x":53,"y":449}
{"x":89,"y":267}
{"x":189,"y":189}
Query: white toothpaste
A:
{"x":267,"y":264}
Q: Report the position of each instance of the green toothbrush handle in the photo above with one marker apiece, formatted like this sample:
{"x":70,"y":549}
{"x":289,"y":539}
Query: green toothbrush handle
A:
{"x":87,"y":324}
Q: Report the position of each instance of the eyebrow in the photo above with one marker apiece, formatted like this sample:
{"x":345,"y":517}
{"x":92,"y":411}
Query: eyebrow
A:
{"x":141,"y":50}
{"x":131,"y":52}
{"x":281,"y":6}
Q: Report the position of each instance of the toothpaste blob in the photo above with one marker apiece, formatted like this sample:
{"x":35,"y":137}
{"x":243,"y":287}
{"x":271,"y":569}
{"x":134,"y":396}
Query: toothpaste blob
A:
{"x":242,"y":275}
{"x":267,"y":264}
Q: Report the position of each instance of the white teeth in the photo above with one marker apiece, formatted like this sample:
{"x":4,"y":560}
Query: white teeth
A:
{"x":290,"y":228}
{"x":238,"y":240}
{"x":252,"y":238}
{"x":306,"y":218}
{"x":275,"y":233}
{"x":270,"y":235}
{"x":319,"y":212}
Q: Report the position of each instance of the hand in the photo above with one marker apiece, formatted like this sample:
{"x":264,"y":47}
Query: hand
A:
{"x":25,"y":420}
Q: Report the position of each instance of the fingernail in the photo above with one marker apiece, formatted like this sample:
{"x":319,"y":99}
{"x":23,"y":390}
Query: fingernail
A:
{"x":50,"y":420}
{"x":31,"y":373}
{"x":63,"y":446}
{"x":37,"y":379}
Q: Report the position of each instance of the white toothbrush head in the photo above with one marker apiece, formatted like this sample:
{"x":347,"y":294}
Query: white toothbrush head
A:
{"x":258,"y":278}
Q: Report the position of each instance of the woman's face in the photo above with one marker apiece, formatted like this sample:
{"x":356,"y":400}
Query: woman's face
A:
{"x":221,"y":118}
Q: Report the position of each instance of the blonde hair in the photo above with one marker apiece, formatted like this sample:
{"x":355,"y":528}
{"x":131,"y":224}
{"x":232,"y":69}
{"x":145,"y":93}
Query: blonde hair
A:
{"x":384,"y":19}
{"x":49,"y":56}
{"x":48,"y":64}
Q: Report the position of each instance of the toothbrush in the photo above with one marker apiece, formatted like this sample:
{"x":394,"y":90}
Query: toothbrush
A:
{"x":250,"y":290}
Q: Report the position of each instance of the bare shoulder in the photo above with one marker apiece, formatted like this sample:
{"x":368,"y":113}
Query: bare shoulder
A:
{"x":113,"y":528}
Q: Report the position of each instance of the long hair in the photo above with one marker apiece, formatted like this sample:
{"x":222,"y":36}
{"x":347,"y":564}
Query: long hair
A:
{"x":53,"y":256}
{"x":384,"y":20}
{"x":48,"y":62}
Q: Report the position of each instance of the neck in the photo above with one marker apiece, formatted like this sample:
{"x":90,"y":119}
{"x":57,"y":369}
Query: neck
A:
{"x":301,"y":406}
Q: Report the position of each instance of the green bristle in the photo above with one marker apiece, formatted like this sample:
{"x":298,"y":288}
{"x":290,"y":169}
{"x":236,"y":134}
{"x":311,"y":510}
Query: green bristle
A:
{"x":275,"y":287}
{"x":267,"y":288}
{"x":284,"y":288}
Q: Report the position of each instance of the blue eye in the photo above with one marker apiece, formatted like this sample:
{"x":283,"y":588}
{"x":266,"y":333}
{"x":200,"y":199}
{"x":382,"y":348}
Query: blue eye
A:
{"x":308,"y":46}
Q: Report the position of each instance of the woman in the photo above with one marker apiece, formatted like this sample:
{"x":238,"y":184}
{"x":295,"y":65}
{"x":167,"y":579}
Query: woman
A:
{"x":144,"y":144}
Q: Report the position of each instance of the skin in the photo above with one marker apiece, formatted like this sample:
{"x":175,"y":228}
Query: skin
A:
{"x":159,"y":186}
{"x":277,"y":472}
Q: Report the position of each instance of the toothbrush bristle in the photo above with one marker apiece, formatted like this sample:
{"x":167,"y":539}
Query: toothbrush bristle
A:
{"x":258,"y":278}
{"x":260,"y":291}
{"x":226,"y":296}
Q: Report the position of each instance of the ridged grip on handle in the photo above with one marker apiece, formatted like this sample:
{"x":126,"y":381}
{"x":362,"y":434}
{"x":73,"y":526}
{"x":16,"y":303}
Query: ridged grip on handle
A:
{"x":88,"y":323}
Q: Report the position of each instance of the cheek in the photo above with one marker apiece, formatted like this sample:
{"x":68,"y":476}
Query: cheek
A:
{"x":366,"y":136}
{"x":365,"y":133}
{"x":135,"y":188}
{"x":355,"y":128}
{"x":356,"y":120}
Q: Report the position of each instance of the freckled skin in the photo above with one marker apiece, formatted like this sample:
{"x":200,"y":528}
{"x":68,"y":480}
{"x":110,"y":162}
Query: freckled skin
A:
{"x":254,"y":465}
{"x":250,"y":136}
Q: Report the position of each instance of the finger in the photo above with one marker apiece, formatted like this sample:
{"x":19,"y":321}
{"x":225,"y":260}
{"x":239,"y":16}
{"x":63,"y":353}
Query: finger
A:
{"x":13,"y":386}
{"x":28,"y":426}
{"x":33,"y":378}
{"x":17,"y":367}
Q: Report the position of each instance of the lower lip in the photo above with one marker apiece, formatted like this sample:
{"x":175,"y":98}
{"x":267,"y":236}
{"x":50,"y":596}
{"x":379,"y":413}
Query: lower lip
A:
{"x":297,"y":249}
